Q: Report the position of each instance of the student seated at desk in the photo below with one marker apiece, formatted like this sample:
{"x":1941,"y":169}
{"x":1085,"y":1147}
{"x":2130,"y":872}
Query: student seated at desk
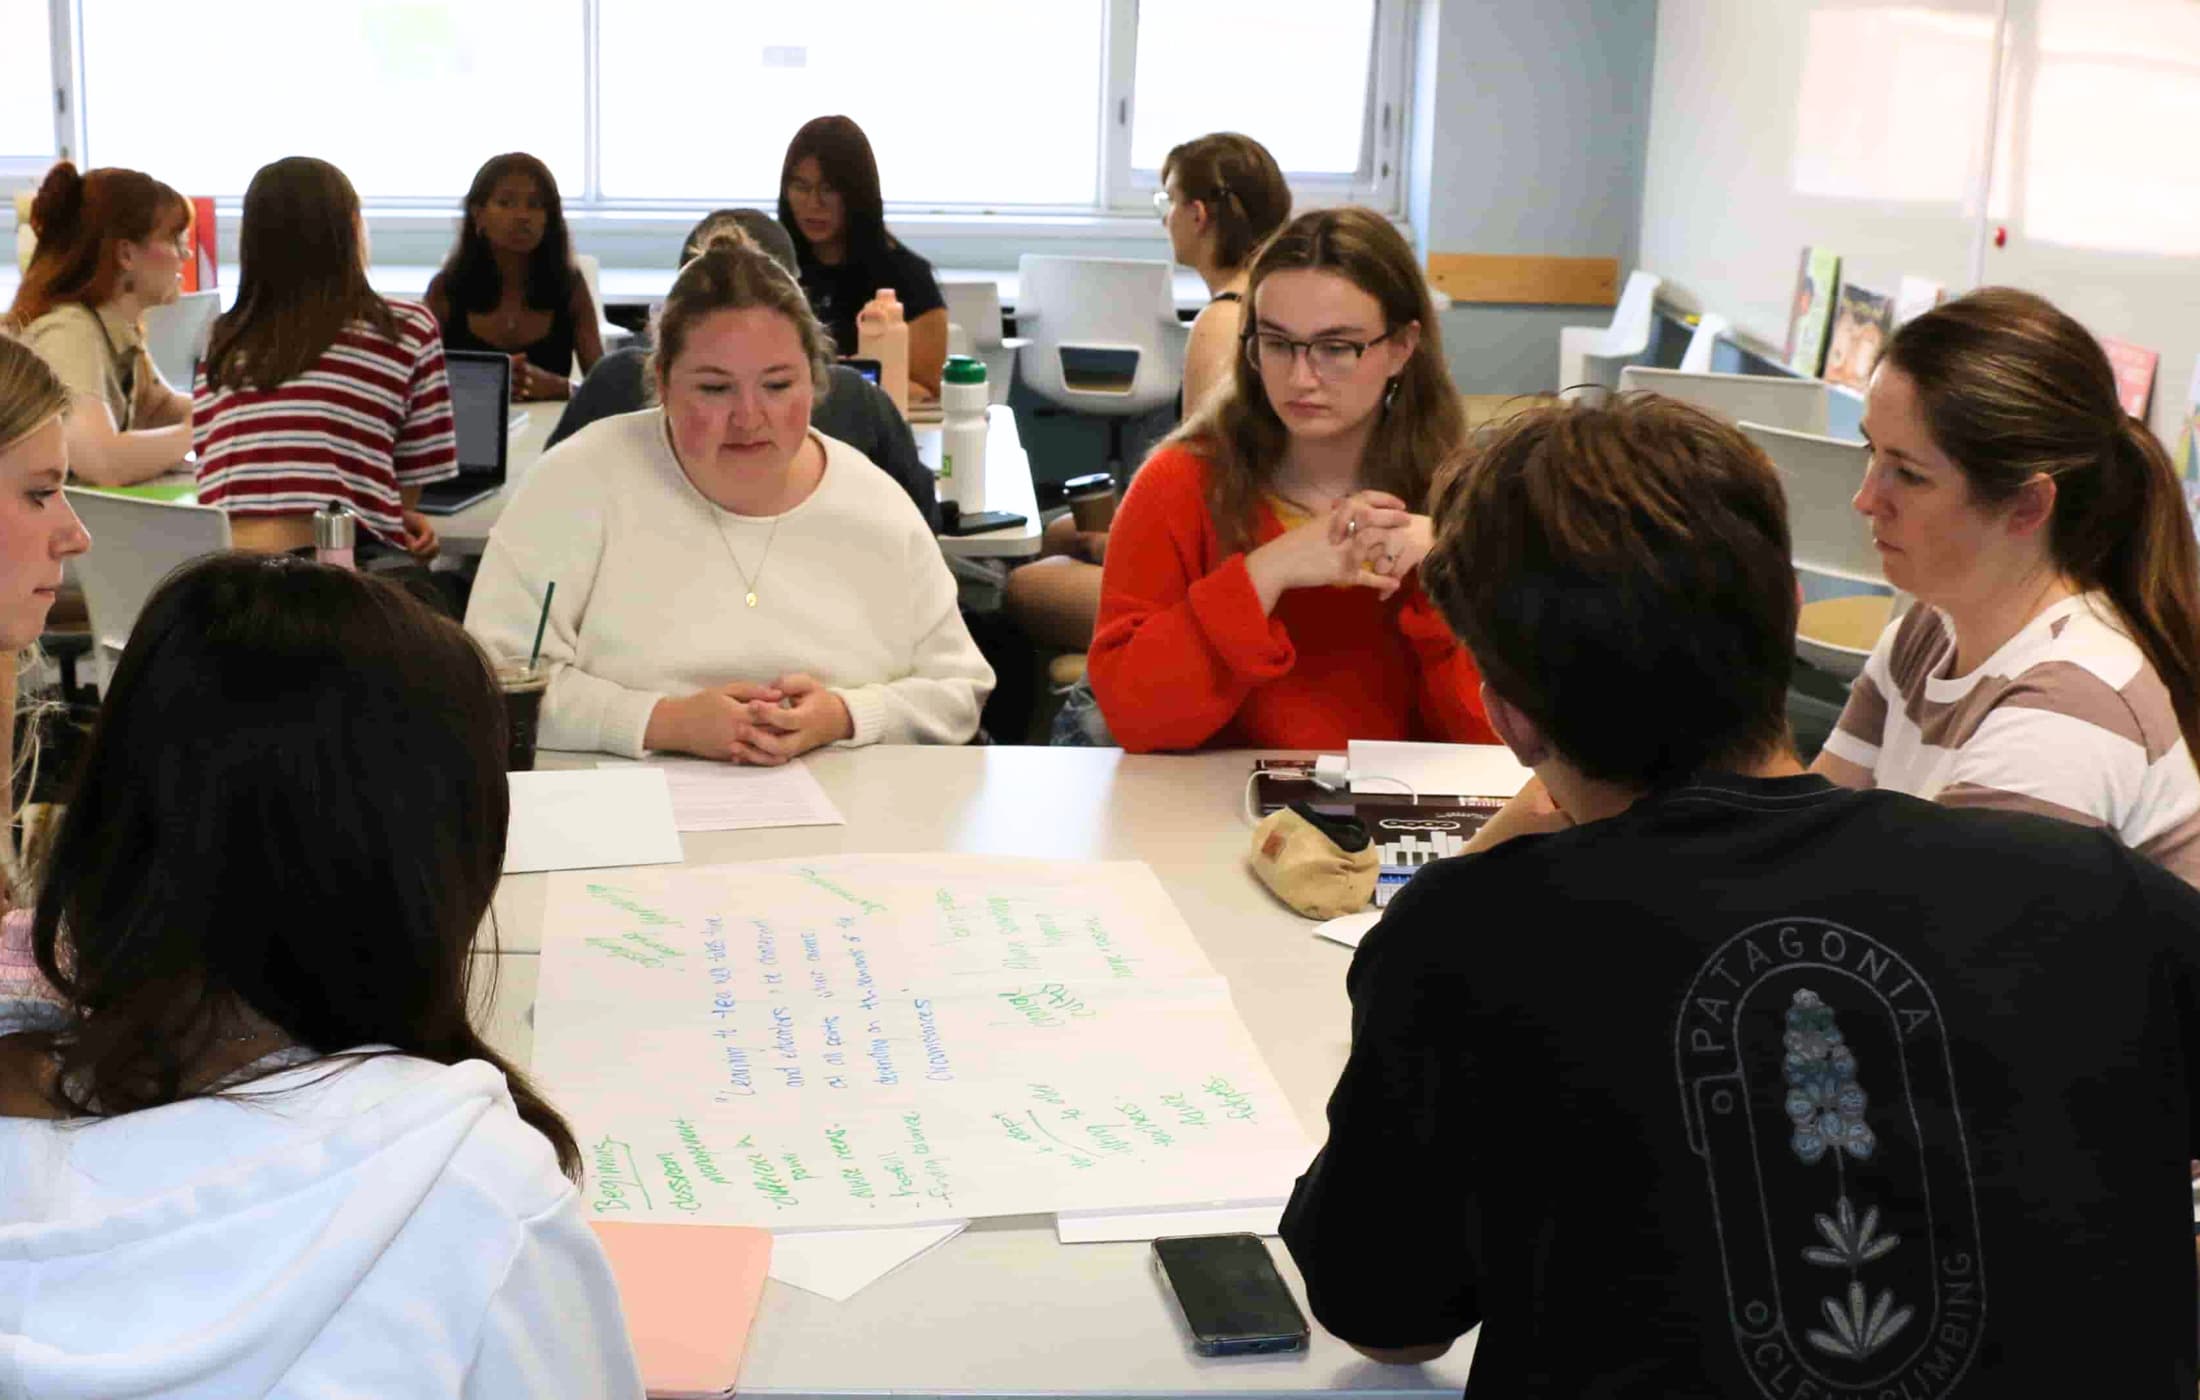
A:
{"x":852,"y":408}
{"x":314,"y":388}
{"x":257,"y":1148}
{"x":2052,"y":663}
{"x":1221,"y":196}
{"x":1717,"y":1079}
{"x":830,"y":203}
{"x":510,"y":284}
{"x":1261,"y":585}
{"x":729,"y":583}
{"x":111,"y":243}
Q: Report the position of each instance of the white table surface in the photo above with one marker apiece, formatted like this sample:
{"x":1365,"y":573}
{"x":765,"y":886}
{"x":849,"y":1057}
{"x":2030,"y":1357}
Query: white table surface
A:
{"x":1007,"y":482}
{"x":1003,"y":1309}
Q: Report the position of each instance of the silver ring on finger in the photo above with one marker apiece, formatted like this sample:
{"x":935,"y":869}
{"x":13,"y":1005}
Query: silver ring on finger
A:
{"x":1352,"y":527}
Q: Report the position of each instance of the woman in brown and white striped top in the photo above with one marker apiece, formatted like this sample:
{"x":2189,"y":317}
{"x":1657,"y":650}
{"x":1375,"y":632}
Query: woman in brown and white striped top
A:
{"x":2052,"y":664}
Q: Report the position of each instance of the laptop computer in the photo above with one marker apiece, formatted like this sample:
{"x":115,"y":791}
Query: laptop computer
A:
{"x":481,"y":401}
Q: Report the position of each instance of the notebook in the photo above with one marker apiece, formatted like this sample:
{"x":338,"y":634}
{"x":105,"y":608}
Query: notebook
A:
{"x":481,"y":403}
{"x":689,"y":1293}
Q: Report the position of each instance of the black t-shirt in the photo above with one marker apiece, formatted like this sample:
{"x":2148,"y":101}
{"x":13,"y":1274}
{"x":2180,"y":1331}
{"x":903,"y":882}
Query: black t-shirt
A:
{"x":854,"y":410}
{"x":838,"y":292}
{"x":1768,"y":1088}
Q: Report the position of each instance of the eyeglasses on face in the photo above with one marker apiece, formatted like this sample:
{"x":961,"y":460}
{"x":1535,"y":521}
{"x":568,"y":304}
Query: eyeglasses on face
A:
{"x":1331,"y":356}
{"x":803,"y":189}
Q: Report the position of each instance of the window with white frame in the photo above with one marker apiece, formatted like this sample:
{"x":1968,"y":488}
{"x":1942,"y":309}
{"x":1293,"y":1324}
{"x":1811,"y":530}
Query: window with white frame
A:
{"x":26,"y":84}
{"x":973,"y":106}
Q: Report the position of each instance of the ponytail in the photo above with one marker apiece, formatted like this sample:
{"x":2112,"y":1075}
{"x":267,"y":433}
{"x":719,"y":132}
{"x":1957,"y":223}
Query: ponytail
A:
{"x":79,"y":218}
{"x":2153,"y":575}
{"x":2013,"y":389}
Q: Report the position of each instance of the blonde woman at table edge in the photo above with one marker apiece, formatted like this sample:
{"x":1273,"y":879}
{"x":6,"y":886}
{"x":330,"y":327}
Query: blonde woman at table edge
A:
{"x":258,"y":920}
{"x":729,"y":582}
{"x":2052,"y":664}
{"x":38,"y":533}
{"x":1261,"y":588}
{"x":1221,"y":196}
{"x":110,"y":245}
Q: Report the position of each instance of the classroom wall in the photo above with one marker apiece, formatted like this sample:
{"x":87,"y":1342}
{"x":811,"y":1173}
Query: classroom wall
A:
{"x":1531,"y":119}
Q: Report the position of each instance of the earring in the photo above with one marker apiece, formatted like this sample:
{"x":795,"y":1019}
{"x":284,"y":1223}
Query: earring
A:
{"x":1390,"y":392}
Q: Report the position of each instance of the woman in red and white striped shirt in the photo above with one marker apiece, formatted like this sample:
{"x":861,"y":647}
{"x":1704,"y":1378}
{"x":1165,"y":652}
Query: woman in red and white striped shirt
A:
{"x":314,"y":389}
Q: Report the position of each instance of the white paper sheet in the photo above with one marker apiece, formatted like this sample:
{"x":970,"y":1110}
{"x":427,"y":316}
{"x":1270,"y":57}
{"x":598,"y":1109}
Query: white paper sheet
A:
{"x":838,"y":1264}
{"x":1349,"y":929}
{"x":1103,"y":1227}
{"x":898,"y":1040}
{"x":710,"y":796}
{"x":587,"y":818}
{"x":1454,"y":770}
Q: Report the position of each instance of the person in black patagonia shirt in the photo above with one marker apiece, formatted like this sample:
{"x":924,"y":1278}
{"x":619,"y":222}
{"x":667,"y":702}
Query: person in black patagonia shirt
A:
{"x":1705,"y":1077}
{"x":854,"y":410}
{"x":829,"y":200}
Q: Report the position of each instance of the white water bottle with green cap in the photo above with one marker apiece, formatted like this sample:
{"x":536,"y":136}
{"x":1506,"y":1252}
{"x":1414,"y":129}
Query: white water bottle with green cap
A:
{"x":963,"y":400}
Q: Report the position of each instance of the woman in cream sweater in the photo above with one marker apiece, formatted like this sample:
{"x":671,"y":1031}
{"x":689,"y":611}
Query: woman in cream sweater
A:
{"x":730,"y":583}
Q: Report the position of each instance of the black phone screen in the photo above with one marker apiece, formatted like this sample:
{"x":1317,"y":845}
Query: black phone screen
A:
{"x":1233,"y":1298}
{"x":869,"y":369}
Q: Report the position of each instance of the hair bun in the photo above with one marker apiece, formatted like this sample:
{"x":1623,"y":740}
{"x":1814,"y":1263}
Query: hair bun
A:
{"x":59,"y":202}
{"x":730,"y":238}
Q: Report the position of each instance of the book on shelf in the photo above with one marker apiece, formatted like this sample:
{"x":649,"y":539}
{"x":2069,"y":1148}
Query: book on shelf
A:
{"x":1811,"y":313}
{"x":1862,"y":322}
{"x":2134,"y":366}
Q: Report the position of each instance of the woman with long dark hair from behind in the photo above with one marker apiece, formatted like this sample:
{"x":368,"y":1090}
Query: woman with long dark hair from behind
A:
{"x":110,"y":246}
{"x":315,"y":389}
{"x":830,"y":202}
{"x":265,"y":1119}
{"x":2052,"y":663}
{"x":510,"y":285}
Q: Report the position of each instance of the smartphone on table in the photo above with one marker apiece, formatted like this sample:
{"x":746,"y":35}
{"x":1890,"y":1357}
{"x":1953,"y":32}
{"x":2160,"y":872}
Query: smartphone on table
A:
{"x":1232,"y":1300}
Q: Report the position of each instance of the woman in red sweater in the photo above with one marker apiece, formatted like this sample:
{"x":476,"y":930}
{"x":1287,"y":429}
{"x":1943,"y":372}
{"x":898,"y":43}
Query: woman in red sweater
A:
{"x":1260,"y":588}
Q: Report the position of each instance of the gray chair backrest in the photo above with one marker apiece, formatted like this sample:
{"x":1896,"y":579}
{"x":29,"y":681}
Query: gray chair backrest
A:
{"x":1822,"y":475}
{"x":1798,"y":405}
{"x":136,"y":543}
{"x":1103,"y":333}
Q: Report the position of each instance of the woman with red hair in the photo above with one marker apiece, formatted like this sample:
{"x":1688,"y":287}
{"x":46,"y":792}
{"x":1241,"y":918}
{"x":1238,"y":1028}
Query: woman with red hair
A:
{"x":110,"y":244}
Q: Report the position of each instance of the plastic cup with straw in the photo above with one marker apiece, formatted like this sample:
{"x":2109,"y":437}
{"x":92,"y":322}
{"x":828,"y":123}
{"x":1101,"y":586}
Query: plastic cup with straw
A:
{"x":523,"y":688}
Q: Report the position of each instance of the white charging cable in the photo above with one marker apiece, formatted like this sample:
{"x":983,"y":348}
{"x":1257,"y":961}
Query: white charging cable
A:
{"x":1329,"y":773}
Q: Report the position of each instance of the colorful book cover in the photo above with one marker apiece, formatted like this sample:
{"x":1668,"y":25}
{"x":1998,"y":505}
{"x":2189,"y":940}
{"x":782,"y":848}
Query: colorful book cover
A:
{"x":202,"y":270}
{"x":1914,"y":296}
{"x":1812,"y":313}
{"x":1862,"y":322}
{"x":2188,"y":446}
{"x":2134,"y":366}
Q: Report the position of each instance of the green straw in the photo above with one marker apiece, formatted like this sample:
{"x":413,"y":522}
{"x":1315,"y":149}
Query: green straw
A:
{"x":548,"y":590}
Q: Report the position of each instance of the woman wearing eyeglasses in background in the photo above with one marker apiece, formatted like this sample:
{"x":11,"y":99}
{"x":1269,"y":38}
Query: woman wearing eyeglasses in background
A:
{"x":1260,"y":588}
{"x":830,"y":202}
{"x":1221,"y":196}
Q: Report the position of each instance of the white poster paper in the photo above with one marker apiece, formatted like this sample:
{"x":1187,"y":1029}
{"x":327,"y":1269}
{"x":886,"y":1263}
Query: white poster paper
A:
{"x":888,"y":1040}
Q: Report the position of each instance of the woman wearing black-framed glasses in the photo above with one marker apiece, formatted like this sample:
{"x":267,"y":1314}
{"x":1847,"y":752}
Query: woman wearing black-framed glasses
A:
{"x":1261,"y":586}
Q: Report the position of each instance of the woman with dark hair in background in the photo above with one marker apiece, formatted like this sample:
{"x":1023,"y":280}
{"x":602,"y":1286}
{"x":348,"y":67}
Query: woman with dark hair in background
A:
{"x":830,"y":202}
{"x":262,"y":1147}
{"x":110,"y":244}
{"x":2052,"y":664}
{"x":510,"y":284}
{"x":315,"y":390}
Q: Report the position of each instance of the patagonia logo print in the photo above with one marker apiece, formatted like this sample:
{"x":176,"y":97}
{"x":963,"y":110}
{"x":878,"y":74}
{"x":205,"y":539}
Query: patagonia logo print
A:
{"x":1819,"y":1094}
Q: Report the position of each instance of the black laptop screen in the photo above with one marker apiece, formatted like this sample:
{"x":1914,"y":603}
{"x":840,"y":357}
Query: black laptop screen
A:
{"x":480,"y":398}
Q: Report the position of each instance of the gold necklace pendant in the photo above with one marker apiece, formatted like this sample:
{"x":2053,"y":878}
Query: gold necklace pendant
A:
{"x":752,"y":598}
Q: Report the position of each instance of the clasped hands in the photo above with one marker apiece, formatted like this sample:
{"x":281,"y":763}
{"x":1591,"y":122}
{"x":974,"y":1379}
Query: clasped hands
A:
{"x":1367,"y":539}
{"x":743,"y":722}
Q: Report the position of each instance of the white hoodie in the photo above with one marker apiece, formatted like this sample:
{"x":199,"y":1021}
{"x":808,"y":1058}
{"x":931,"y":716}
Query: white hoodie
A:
{"x":388,"y":1229}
